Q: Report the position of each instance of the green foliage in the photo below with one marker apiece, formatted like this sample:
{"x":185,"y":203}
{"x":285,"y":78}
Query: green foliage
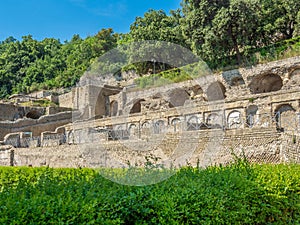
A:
{"x":30,"y":65}
{"x":218,"y":30}
{"x":175,"y":75}
{"x":39,"y":103}
{"x":223,"y":33}
{"x":236,"y":194}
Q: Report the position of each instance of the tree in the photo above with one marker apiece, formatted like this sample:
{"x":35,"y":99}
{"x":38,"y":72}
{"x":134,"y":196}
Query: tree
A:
{"x":280,"y":18}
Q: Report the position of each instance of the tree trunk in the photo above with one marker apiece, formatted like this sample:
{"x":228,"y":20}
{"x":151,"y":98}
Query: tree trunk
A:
{"x":237,"y":51}
{"x":235,"y":46}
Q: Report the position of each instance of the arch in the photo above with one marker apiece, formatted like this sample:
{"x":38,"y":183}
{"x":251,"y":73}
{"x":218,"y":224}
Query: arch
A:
{"x":177,"y":97}
{"x":294,"y":72}
{"x":294,"y":77}
{"x":102,"y":106}
{"x":133,"y":130}
{"x":285,"y":116}
{"x":214,"y":120}
{"x":113,"y":108}
{"x":284,"y":108}
{"x":234,"y":119}
{"x":145,"y":124}
{"x":159,"y":127}
{"x":266,"y":83}
{"x":70,"y":137}
{"x":132,"y":126}
{"x":176,"y":123}
{"x":137,"y":106}
{"x":216,"y":91}
{"x":251,"y":112}
{"x":33,"y":114}
{"x":145,"y":130}
{"x":193,"y":123}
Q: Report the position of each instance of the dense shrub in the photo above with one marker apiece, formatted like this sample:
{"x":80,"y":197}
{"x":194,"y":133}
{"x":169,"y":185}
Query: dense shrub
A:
{"x":237,"y":194}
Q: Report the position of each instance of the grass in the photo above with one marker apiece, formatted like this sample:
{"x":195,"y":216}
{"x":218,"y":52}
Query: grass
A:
{"x":237,"y":194}
{"x":39,"y":103}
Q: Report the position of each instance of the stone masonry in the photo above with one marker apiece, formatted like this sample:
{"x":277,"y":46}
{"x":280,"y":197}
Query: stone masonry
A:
{"x":252,"y":112}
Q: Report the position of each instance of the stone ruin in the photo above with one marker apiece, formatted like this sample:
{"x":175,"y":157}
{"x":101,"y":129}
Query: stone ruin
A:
{"x":251,"y":111}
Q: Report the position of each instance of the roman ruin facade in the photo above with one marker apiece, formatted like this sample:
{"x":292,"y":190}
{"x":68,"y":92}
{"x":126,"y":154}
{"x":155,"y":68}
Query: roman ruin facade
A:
{"x":254,"y":111}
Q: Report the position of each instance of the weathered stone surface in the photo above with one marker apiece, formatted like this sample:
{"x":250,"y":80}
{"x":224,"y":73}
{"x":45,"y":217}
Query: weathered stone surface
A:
{"x":252,"y":112}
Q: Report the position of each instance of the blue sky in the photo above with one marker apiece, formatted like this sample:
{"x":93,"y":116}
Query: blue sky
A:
{"x":63,"y":18}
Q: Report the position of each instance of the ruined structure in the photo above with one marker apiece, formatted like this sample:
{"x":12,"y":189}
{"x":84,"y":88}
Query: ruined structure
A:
{"x":254,"y":111}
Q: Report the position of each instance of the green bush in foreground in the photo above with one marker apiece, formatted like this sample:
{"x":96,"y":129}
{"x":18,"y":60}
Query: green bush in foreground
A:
{"x":237,"y":194}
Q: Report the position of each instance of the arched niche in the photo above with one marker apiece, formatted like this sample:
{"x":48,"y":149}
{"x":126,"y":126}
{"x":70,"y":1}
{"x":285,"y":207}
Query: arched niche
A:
{"x":234,"y":119}
{"x":159,"y":127}
{"x":145,"y":125}
{"x":216,"y":91}
{"x":137,"y":106}
{"x":193,"y":123}
{"x":132,"y":130}
{"x":294,"y":72}
{"x":176,"y":123}
{"x":214,"y":120}
{"x":285,"y":117}
{"x":33,"y":114}
{"x":266,"y":83}
{"x":294,"y":77}
{"x":284,"y":108}
{"x":145,"y":131}
{"x":251,"y":112}
{"x":177,"y":97}
{"x":113,"y":108}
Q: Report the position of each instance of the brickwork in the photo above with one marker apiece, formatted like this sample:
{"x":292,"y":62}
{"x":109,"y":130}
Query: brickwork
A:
{"x":252,"y":112}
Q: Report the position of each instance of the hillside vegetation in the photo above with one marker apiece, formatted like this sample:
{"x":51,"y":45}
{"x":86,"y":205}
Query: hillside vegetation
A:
{"x":224,"y":33}
{"x":237,"y":194}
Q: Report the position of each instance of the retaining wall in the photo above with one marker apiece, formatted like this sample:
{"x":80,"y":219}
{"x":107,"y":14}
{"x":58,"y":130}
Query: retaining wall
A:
{"x":45,"y":123}
{"x":195,"y":147}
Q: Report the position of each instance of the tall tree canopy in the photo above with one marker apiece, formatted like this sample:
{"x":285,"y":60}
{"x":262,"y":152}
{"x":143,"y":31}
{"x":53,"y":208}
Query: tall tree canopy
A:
{"x":223,"y":28}
{"x":29,"y":65}
{"x":219,"y":31}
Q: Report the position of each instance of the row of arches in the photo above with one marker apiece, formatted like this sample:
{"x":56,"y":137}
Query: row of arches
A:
{"x":216,"y":91}
{"x":263,"y":83}
{"x":178,"y":96}
{"x":215,"y":120}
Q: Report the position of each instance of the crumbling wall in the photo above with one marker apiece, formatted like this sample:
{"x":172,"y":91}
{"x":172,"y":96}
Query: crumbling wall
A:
{"x":36,"y":127}
{"x":195,"y":147}
{"x":66,"y":100}
{"x":247,"y":123}
{"x":6,"y":155}
{"x":11,"y":112}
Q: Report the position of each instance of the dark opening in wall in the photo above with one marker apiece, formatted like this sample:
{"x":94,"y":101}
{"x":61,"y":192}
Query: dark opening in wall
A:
{"x":284,"y":108}
{"x":33,"y":114}
{"x":177,"y":97}
{"x":113,"y":108}
{"x":137,"y":107}
{"x":216,"y":91}
{"x":251,"y":112}
{"x":266,"y":83}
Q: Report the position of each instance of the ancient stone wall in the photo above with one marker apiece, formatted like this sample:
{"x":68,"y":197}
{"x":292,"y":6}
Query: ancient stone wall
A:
{"x":253,"y":111}
{"x":35,"y":126}
{"x":195,"y":147}
{"x":66,"y":100}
